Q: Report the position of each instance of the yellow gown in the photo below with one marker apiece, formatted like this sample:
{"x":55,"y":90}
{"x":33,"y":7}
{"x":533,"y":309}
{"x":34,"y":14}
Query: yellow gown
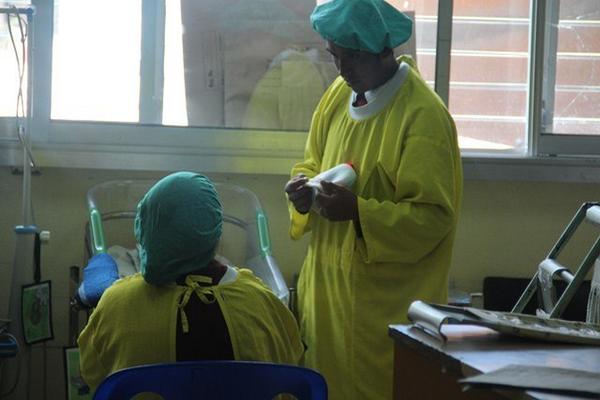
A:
{"x":135,"y":324}
{"x":409,"y":190}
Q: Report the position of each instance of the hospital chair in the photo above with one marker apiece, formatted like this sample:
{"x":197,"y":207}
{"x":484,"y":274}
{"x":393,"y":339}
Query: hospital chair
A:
{"x":214,"y":380}
{"x":112,"y":207}
{"x":552,"y":303}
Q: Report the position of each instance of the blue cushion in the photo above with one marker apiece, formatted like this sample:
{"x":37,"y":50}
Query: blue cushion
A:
{"x":99,"y":274}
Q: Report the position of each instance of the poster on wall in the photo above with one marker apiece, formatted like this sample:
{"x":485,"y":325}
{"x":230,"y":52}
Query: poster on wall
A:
{"x":76,"y":388}
{"x":36,"y":312}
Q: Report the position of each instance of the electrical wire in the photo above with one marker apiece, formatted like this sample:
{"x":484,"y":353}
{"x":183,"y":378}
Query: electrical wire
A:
{"x":45,"y":365}
{"x":20,"y":112}
{"x":20,"y":116}
{"x":21,"y":64}
{"x":18,"y":376}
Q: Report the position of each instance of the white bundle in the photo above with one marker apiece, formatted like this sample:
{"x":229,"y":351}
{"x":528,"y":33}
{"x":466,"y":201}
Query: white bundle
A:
{"x":593,"y":307}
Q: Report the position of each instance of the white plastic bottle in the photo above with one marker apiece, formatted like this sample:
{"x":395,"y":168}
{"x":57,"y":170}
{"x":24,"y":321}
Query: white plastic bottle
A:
{"x":342,"y":174}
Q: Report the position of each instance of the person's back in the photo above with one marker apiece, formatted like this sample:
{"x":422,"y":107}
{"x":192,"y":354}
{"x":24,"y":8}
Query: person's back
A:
{"x":136,"y":323}
{"x":204,"y":310}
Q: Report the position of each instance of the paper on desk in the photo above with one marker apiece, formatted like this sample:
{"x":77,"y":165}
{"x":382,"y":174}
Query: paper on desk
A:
{"x":547,"y":379}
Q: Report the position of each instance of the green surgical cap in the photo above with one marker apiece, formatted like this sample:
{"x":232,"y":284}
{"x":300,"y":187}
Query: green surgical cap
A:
{"x":178,"y":226}
{"x":369,"y":25}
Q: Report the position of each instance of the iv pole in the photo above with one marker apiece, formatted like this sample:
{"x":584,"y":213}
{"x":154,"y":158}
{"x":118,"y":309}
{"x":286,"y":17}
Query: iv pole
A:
{"x":16,"y":370}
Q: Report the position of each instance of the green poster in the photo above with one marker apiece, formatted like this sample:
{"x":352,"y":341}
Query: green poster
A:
{"x":76,"y":387}
{"x":36,"y":312}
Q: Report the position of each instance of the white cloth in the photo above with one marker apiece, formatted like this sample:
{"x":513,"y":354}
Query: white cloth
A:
{"x":379,"y":97}
{"x":230,"y":276}
{"x":128,"y":260}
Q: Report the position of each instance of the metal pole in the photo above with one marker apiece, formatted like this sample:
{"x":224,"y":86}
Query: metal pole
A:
{"x":152,"y":62}
{"x":536,"y":76}
{"x":443,"y":49}
{"x":16,"y":371}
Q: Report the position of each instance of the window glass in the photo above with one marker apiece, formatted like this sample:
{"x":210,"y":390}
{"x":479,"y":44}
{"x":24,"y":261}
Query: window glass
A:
{"x":96,"y":60}
{"x":227,"y":63}
{"x":424,"y":13}
{"x":259,"y":64}
{"x":488,"y":74}
{"x":9,"y":67}
{"x":174,"y":104}
{"x":243,"y":64}
{"x":572,"y":74}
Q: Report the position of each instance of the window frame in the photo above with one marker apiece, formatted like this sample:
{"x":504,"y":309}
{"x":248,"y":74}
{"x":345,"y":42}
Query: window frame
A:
{"x":549,"y":144}
{"x":101,"y":145}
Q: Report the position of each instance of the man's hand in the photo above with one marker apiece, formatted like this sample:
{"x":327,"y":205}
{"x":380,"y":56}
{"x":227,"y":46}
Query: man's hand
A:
{"x":336,"y":203}
{"x":300,"y":195}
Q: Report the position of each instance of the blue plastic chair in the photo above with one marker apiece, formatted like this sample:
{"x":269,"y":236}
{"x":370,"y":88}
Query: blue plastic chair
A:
{"x":214,"y":380}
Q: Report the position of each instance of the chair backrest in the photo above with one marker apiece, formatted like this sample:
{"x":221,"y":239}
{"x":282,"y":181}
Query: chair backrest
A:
{"x":245,"y":240}
{"x":214,"y":380}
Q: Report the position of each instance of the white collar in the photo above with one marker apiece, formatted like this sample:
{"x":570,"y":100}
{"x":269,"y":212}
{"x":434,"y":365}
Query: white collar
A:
{"x":229,"y":276}
{"x":379,"y":97}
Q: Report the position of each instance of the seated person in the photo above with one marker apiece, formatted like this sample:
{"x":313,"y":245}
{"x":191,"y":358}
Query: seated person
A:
{"x":184,"y":305}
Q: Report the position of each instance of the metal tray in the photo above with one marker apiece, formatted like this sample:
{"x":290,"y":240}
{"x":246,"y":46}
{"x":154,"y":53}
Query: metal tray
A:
{"x":431,"y":318}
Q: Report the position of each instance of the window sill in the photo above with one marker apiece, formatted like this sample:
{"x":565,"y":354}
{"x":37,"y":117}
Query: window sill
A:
{"x":151,"y":148}
{"x":541,"y":169}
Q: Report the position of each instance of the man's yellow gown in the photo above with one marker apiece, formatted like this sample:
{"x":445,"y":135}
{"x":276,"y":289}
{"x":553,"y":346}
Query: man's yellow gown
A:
{"x":409,"y":190}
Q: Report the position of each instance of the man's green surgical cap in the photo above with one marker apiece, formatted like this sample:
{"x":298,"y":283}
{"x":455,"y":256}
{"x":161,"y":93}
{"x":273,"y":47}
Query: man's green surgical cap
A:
{"x":369,"y":25}
{"x":178,"y":226}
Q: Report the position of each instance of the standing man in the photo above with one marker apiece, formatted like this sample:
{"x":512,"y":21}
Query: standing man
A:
{"x":388,"y":241}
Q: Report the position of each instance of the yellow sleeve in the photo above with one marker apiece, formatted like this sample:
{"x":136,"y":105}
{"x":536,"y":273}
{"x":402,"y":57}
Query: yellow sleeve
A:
{"x":428,"y":184}
{"x":91,"y":367}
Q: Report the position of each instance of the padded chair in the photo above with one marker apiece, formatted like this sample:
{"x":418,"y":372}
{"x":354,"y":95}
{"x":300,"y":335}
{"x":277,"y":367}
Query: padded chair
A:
{"x":214,"y":380}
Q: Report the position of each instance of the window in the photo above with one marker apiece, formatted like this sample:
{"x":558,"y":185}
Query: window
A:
{"x":230,"y":85}
{"x":424,"y":14}
{"x":251,"y":64}
{"x":488,"y":74}
{"x":96,"y":60}
{"x":571,"y":103}
{"x":244,"y":64}
{"x":569,"y":78}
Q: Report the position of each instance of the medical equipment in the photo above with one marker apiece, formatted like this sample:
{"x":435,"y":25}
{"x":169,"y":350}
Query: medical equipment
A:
{"x":550,"y":269}
{"x":8,"y":345}
{"x":546,"y":325}
{"x":112,"y":208}
{"x":16,"y":374}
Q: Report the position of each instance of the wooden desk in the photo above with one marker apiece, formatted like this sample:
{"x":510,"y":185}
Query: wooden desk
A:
{"x":426,"y":368}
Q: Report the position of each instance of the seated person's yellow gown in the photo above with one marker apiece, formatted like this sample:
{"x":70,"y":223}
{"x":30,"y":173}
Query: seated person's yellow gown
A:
{"x":136,"y":323}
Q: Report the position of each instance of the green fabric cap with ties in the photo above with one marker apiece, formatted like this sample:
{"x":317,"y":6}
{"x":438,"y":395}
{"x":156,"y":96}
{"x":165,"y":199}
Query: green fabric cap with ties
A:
{"x":178,"y":226}
{"x":368,"y":25}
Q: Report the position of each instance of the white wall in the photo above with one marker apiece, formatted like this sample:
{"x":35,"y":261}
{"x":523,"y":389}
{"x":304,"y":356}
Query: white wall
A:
{"x":505,"y":229}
